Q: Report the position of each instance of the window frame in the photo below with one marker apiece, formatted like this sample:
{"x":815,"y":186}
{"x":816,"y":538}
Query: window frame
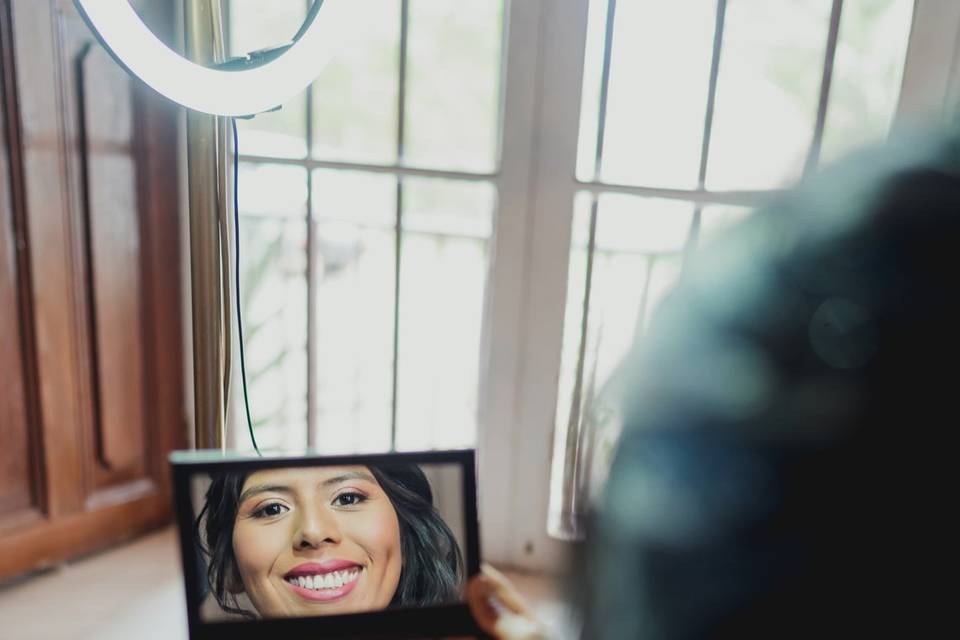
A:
{"x":525,"y":297}
{"x":499,"y":178}
{"x":525,"y":316}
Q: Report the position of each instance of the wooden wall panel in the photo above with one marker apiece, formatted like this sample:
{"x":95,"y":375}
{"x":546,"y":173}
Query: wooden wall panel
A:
{"x":114,"y":279}
{"x":15,"y":489}
{"x":19,"y":492}
{"x":51,"y":255}
{"x":90,"y":320}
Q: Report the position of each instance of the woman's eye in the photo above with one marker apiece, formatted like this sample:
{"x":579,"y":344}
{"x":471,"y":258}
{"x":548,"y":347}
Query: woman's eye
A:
{"x":349,"y":499}
{"x":271,"y":510}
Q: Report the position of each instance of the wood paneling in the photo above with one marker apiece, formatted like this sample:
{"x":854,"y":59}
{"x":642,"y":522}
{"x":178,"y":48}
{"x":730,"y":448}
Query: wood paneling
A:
{"x":99,"y":114}
{"x":115,"y":270}
{"x":90,"y":346}
{"x":18,"y":472}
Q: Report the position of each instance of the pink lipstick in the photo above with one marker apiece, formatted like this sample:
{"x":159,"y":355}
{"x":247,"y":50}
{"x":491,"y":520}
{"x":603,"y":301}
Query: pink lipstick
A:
{"x":323,"y":581}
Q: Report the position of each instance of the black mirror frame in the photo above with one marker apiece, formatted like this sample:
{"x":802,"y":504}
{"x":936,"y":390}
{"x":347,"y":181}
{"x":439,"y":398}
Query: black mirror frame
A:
{"x":424,"y":622}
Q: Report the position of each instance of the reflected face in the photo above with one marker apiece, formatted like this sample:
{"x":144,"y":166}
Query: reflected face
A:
{"x":316,"y":541}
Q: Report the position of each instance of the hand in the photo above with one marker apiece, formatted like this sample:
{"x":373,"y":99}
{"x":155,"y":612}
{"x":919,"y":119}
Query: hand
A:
{"x":499,"y":609}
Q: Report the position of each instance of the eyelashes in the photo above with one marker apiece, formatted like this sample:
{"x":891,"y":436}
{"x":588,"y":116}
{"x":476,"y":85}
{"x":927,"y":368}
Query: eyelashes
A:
{"x":348,"y":499}
{"x":270,"y":510}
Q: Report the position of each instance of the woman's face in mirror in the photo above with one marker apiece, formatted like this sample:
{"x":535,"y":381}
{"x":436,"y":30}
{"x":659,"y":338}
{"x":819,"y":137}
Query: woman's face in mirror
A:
{"x":316,"y":541}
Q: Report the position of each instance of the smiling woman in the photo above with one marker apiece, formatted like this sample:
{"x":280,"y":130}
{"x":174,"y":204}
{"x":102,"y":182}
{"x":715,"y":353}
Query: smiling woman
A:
{"x":327,"y":540}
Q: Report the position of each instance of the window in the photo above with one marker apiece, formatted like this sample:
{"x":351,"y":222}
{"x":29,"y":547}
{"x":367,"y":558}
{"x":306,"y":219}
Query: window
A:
{"x":636,"y":165}
{"x":367,"y":207}
{"x":454,"y":236}
{"x":755,"y":94}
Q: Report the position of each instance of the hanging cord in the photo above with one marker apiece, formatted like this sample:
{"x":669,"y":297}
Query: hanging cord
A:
{"x":258,"y":58}
{"x":236,"y":254}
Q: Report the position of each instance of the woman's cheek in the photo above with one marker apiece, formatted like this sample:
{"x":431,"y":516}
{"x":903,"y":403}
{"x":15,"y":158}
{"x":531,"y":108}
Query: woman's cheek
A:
{"x":377,"y":532}
{"x":384,"y":532}
{"x":256,"y":549}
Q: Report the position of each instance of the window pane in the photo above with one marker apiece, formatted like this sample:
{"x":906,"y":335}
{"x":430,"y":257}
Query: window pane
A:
{"x":655,"y":111}
{"x":770,"y":72}
{"x":630,"y":224}
{"x":637,"y":258}
{"x":353,"y":226}
{"x":273,"y":297}
{"x":453,"y":84}
{"x":262,"y":24}
{"x":443,"y":272}
{"x":868,"y":68}
{"x":355,"y":98}
{"x":715,"y":219}
{"x":272,"y":190}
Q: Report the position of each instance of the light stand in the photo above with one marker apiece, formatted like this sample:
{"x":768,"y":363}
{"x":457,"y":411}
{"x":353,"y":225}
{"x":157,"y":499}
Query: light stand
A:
{"x":202,"y":34}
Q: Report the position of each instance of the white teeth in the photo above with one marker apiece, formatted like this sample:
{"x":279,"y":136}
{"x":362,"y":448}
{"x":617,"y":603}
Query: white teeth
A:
{"x":332,"y":580}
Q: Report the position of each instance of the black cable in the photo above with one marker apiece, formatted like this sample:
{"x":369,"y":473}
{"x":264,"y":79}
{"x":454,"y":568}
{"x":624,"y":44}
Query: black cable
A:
{"x":311,"y":15}
{"x":236,"y":271}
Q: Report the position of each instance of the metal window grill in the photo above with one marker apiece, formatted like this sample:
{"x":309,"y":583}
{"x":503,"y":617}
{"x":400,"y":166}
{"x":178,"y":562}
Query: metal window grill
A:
{"x":400,"y":171}
{"x":577,"y":469}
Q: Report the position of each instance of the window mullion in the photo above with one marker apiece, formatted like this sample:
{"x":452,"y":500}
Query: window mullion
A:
{"x":694,"y":235}
{"x":933,"y":56}
{"x":702,"y":196}
{"x":398,"y":233}
{"x":711,"y":93}
{"x":828,"y":57}
{"x":312,"y":283}
{"x":396,"y":169}
{"x":563,"y":33}
{"x":502,"y":340}
{"x":604,"y":90}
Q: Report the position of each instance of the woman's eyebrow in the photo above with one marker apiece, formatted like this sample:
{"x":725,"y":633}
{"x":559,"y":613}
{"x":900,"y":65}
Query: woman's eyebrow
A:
{"x":349,"y":475}
{"x":264,"y":488}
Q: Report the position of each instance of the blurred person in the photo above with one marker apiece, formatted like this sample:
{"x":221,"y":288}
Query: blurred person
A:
{"x":783,"y":467}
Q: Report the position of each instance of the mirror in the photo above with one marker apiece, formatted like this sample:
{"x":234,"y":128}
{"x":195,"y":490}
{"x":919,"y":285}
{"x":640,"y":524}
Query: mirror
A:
{"x":321,"y":539}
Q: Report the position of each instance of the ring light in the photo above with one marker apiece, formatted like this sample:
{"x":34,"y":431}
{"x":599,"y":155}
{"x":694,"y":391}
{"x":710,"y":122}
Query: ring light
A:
{"x":243,"y":92}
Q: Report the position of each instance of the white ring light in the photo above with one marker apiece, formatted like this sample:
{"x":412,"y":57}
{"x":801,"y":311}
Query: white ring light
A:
{"x":214,"y":91}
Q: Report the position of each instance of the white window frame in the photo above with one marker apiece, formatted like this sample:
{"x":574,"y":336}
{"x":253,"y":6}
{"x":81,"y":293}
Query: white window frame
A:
{"x":543,"y":76}
{"x":526,"y":289}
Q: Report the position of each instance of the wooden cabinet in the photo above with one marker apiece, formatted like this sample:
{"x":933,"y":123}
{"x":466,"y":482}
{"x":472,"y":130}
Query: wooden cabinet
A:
{"x":91,"y":373}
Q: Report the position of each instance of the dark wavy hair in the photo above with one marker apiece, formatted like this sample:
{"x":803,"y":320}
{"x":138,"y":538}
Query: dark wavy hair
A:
{"x":432,"y":571}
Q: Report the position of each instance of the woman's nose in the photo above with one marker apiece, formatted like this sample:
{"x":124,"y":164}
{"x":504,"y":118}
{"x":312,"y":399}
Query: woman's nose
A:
{"x":317,"y":528}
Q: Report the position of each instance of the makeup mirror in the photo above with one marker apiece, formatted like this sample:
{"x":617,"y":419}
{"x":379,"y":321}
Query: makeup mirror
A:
{"x":346,"y":546}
